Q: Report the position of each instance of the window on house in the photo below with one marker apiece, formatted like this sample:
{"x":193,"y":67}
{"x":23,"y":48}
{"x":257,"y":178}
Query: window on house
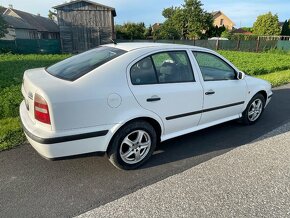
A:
{"x":222,"y":22}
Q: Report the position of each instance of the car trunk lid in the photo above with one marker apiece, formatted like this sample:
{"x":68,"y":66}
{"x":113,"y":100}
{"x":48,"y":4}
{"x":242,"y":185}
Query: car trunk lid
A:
{"x":38,"y":81}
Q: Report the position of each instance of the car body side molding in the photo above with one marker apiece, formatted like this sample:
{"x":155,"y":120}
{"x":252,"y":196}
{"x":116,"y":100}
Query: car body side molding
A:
{"x":64,"y":138}
{"x":203,"y":111}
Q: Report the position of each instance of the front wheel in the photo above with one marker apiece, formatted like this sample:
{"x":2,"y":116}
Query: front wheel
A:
{"x":132,"y":145}
{"x":254,"y":109}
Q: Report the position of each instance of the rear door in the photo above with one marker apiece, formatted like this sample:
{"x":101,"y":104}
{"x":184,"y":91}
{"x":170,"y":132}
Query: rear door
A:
{"x":224,"y":94}
{"x":164,"y":83}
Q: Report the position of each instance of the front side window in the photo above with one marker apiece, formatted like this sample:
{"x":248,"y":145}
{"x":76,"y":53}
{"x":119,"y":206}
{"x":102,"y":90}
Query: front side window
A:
{"x":214,"y":68}
{"x":163,"y":67}
{"x":81,"y":64}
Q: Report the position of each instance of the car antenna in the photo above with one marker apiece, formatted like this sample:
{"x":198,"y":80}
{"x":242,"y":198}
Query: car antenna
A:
{"x":115,"y":43}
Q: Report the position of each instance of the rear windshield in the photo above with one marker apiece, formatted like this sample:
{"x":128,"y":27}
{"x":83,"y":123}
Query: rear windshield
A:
{"x":81,"y":64}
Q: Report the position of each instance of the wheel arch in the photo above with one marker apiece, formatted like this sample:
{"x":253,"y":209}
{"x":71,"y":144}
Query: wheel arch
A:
{"x":155,"y":124}
{"x":264,"y":93}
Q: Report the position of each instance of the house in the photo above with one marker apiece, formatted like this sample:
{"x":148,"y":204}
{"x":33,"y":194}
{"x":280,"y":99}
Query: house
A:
{"x":84,"y":24}
{"x":23,"y":25}
{"x":220,"y":19}
{"x":156,"y":26}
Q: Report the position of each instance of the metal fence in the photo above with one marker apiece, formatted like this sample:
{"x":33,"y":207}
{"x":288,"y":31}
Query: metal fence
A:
{"x":258,"y":45}
{"x":31,"y":46}
{"x":53,"y":46}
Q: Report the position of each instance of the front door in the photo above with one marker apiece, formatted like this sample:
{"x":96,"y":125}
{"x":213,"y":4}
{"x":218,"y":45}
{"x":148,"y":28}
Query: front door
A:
{"x":224,"y":94}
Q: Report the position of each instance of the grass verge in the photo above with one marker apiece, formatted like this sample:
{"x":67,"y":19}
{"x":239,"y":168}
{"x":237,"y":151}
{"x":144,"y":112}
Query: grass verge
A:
{"x":11,"y":133}
{"x":277,"y":78}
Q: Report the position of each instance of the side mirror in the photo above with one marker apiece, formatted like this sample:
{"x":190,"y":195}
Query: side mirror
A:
{"x":241,"y":75}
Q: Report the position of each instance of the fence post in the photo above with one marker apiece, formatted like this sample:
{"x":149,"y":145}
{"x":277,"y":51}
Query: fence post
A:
{"x":16,"y":47}
{"x":217,"y":45}
{"x":258,"y":44}
{"x":238,"y":44}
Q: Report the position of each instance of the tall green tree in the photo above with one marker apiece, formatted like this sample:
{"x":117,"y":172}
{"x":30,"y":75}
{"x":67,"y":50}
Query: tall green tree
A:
{"x":285,"y":28}
{"x":196,"y":19}
{"x":3,"y":27}
{"x":288,"y":32}
{"x":267,"y":24}
{"x":187,"y":21}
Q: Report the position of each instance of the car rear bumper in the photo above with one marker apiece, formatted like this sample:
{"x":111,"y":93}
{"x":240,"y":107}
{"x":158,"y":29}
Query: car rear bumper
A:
{"x":55,"y":145}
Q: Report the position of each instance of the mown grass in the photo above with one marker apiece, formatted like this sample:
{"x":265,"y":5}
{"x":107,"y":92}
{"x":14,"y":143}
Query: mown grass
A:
{"x":274,"y":67}
{"x":258,"y":63}
{"x":277,"y":78}
{"x":11,"y":133}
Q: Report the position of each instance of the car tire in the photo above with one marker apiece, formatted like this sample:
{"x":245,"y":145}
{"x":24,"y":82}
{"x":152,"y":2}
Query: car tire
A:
{"x":132,"y":145}
{"x":254,"y":110}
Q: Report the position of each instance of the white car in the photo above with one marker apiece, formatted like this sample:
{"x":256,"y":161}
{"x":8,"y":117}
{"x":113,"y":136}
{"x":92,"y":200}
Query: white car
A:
{"x":218,"y":38}
{"x":124,"y":98}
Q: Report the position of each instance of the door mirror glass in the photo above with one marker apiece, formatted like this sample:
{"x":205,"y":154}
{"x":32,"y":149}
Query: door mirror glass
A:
{"x":241,"y":75}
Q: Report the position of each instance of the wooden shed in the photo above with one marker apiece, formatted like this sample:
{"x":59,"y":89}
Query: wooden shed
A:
{"x":84,"y":25}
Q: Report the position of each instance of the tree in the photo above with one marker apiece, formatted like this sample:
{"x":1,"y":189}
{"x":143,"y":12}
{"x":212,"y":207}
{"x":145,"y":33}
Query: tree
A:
{"x":3,"y":27}
{"x":226,"y":34}
{"x":167,"y":31}
{"x":286,"y":28}
{"x":195,"y":18}
{"x":51,"y":15}
{"x":267,"y":24}
{"x":130,"y":31}
{"x":215,"y":31}
{"x":186,"y":22}
{"x":148,"y":32}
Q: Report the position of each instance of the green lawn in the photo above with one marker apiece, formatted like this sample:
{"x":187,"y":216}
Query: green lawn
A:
{"x":274,"y":67}
{"x":11,"y":72}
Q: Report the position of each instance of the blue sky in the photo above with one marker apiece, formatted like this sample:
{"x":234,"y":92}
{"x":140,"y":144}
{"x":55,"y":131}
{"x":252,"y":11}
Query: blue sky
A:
{"x":243,"y":13}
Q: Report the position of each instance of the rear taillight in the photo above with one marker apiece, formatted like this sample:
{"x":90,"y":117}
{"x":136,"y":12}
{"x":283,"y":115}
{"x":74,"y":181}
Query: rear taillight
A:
{"x":41,"y":112}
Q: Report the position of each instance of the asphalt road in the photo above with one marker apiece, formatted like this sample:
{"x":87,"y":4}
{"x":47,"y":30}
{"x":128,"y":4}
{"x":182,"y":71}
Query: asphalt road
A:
{"x":31,"y":186}
{"x":249,"y":181}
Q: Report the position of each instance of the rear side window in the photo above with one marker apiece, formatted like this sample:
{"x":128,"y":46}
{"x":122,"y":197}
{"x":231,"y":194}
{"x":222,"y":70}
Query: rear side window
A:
{"x":162,"y":67}
{"x":143,"y":72}
{"x":81,"y":64}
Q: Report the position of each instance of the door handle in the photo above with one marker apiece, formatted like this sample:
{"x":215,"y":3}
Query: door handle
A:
{"x":210,"y":92}
{"x":153,"y":99}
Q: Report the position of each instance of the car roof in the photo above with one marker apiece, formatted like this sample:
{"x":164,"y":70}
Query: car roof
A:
{"x":143,"y":45}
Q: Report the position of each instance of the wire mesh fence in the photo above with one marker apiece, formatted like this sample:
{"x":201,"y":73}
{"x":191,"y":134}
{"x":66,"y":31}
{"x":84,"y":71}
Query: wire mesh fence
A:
{"x":30,"y":46}
{"x":53,"y":46}
{"x":258,"y":45}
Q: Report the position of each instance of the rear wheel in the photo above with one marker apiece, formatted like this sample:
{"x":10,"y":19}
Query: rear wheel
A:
{"x":132,"y":145}
{"x":254,"y":109}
